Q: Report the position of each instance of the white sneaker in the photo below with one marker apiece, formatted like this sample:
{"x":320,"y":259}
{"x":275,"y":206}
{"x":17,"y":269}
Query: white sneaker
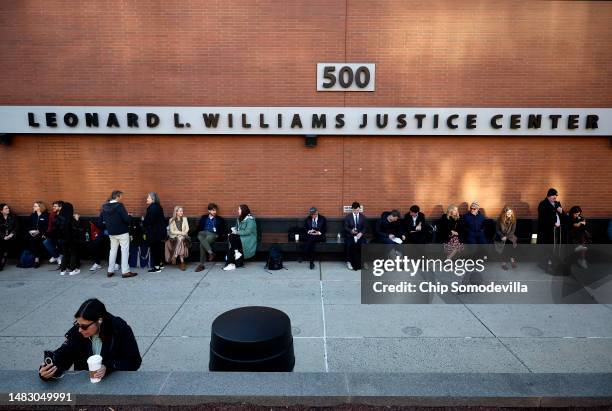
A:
{"x":74,"y":272}
{"x":349,"y":265}
{"x":63,"y":272}
{"x":229,"y":267}
{"x":237,"y":254}
{"x":95,"y":267}
{"x":116,"y":267}
{"x":52,"y":260}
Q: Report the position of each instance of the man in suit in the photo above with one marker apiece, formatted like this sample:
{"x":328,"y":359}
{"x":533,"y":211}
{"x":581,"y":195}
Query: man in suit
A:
{"x":316,"y":228}
{"x":355,"y":227}
{"x":416,"y":229}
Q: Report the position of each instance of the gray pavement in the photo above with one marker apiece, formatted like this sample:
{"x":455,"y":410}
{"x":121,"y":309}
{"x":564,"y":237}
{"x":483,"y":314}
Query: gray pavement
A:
{"x":171,"y":314}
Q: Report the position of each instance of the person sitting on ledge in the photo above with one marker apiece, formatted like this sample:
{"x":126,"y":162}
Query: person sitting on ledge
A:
{"x":242,"y":240}
{"x":8,"y":232}
{"x":211,"y":227}
{"x":473,"y":225}
{"x":389,"y":228}
{"x":416,"y":229}
{"x":316,"y":228}
{"x":95,"y":332}
{"x":178,"y":243}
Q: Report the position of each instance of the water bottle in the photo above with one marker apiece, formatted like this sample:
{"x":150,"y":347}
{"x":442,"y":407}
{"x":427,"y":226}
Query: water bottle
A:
{"x":86,"y":236}
{"x":339,"y":239}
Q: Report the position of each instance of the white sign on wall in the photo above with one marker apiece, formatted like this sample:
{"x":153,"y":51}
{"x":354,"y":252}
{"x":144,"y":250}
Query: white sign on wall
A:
{"x":375,"y":121}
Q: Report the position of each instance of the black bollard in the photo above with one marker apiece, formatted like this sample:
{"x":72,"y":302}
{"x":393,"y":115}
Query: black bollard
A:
{"x":252,"y":339}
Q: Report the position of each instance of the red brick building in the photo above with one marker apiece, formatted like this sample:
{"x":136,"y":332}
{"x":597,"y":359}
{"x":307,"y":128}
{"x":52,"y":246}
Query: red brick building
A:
{"x":264,"y":53}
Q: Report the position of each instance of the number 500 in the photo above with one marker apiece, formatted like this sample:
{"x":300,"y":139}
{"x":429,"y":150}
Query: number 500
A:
{"x":345,"y":77}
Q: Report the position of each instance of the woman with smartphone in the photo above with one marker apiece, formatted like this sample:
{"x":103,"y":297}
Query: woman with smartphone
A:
{"x":95,"y":332}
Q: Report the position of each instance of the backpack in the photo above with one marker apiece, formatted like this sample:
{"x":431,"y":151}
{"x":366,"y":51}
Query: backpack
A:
{"x":275,"y":259}
{"x":26,"y":260}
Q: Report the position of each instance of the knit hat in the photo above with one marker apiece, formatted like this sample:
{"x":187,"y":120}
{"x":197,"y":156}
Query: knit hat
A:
{"x":551,"y":192}
{"x":474,"y":204}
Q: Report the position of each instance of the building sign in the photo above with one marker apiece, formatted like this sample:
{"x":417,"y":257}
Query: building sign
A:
{"x":376,"y":121}
{"x":346,"y":76}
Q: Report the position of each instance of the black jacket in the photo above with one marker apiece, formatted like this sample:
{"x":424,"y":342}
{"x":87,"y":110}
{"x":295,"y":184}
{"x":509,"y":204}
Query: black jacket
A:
{"x":63,"y":223}
{"x":119,"y":348}
{"x":9,"y":226}
{"x":116,"y":218}
{"x":40,"y":223}
{"x":321,"y":224}
{"x":384,"y":227}
{"x":154,"y":223}
{"x":547,"y":217}
{"x":445,"y":226}
{"x":409,"y":225}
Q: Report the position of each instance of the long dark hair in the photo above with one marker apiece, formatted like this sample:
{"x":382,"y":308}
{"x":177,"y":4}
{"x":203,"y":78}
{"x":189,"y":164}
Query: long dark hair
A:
{"x":244,"y":211}
{"x":94,"y":310}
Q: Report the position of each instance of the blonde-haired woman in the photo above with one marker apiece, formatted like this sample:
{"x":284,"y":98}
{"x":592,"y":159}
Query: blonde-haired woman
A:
{"x":39,"y":222}
{"x":449,"y":227}
{"x":178,"y":243}
{"x":504,"y":234}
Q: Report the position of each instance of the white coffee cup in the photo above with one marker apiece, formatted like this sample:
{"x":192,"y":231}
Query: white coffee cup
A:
{"x":297,"y":238}
{"x":94,"y":363}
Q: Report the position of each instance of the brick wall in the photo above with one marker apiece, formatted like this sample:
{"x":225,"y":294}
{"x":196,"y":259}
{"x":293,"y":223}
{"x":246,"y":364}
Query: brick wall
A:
{"x":264,"y":53}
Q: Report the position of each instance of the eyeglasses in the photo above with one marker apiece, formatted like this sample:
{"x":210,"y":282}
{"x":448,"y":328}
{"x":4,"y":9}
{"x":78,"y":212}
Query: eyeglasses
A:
{"x":83,"y":326}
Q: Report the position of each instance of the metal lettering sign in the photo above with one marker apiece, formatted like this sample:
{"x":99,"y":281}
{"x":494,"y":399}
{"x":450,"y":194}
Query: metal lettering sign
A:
{"x":374,"y":121}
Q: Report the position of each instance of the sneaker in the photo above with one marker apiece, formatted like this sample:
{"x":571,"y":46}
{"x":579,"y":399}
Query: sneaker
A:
{"x":349,"y":265}
{"x":52,"y":260}
{"x":63,"y":272}
{"x":237,"y":255}
{"x":95,"y":267}
{"x":155,"y":270}
{"x":116,"y":268}
{"x":75,"y":272}
{"x":229,"y":267}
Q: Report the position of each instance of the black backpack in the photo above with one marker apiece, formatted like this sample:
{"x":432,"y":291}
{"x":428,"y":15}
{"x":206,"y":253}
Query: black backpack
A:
{"x":275,"y":259}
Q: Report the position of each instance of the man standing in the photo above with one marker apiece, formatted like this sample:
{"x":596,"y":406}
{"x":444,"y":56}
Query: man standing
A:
{"x":211,"y":227}
{"x":355,"y":227}
{"x":549,"y":219}
{"x":117,"y":223}
{"x":316,"y":228}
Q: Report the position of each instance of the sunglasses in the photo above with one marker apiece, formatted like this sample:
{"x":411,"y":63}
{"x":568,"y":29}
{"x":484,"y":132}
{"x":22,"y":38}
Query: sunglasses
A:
{"x":84,"y":326}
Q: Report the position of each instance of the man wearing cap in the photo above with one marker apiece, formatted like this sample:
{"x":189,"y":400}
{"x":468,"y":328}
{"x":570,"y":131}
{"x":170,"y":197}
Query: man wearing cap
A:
{"x":549,"y":219}
{"x":473,"y":225}
{"x":316,"y":227}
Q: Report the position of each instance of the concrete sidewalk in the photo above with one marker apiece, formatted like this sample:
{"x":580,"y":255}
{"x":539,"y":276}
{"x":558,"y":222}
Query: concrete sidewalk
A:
{"x":171,"y":314}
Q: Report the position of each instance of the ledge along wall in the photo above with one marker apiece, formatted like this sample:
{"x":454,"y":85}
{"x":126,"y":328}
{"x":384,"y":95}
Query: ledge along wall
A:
{"x":189,"y":53}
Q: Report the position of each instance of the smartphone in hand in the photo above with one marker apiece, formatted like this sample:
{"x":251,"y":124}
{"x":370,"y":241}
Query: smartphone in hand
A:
{"x":49,"y":357}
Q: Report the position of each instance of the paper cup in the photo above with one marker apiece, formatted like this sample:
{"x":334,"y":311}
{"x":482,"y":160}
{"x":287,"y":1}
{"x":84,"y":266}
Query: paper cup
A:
{"x":297,"y":238}
{"x":94,"y":363}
